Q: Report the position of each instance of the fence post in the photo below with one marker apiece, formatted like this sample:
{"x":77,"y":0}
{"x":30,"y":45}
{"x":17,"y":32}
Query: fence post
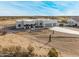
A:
{"x":49,"y":38}
{"x":53,"y":34}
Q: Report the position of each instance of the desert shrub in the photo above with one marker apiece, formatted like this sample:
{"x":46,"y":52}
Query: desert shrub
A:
{"x":14,"y":48}
{"x":24,"y":54}
{"x":17,"y":51}
{"x":53,"y":53}
{"x":11,"y":51}
{"x":30,"y":50}
{"x":2,"y":32}
{"x":4,"y":50}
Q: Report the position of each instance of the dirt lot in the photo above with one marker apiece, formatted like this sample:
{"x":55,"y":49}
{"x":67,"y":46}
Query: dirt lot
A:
{"x":67,"y":45}
{"x":7,"y":22}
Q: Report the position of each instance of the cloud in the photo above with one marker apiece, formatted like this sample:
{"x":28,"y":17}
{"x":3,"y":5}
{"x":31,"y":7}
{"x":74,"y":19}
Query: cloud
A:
{"x":39,"y":8}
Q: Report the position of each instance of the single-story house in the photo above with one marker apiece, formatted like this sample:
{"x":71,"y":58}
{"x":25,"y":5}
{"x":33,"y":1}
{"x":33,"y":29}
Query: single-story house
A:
{"x":35,"y":23}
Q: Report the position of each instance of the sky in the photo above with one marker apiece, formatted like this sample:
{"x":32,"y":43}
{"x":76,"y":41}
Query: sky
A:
{"x":39,"y":8}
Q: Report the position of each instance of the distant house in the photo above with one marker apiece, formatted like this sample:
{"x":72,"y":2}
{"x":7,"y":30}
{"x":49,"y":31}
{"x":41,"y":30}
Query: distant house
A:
{"x":72,"y":22}
{"x":76,"y":19}
{"x":35,"y":23}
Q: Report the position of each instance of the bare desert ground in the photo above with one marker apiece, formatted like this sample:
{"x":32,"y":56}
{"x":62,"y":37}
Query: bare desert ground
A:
{"x":66,"y":45}
{"x":7,"y":22}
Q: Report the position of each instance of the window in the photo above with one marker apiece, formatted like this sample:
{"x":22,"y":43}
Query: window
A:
{"x":54,"y":24}
{"x":40,"y":23}
{"x":19,"y":25}
{"x":26,"y":26}
{"x":48,"y":25}
{"x":31,"y":25}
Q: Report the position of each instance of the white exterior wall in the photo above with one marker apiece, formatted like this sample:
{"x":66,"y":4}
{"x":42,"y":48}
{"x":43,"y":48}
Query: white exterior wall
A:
{"x":72,"y":22}
{"x":49,"y":23}
{"x":38,"y":22}
{"x":29,"y":21}
{"x":77,"y":23}
{"x":19,"y":22}
{"x":46,"y":23}
{"x":55,"y":22}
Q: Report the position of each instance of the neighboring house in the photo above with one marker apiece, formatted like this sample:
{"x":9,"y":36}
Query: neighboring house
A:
{"x":76,"y":19}
{"x":69,"y":22}
{"x":72,"y":22}
{"x":35,"y":23}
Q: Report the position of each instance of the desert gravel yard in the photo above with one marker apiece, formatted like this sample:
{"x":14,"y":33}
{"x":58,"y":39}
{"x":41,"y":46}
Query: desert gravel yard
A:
{"x":67,"y":44}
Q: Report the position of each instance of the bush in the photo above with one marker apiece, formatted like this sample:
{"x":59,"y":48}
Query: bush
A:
{"x":4,"y":50}
{"x":17,"y":51}
{"x":53,"y":53}
{"x":30,"y":48}
{"x":2,"y":32}
{"x":11,"y":51}
{"x":30,"y":51}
